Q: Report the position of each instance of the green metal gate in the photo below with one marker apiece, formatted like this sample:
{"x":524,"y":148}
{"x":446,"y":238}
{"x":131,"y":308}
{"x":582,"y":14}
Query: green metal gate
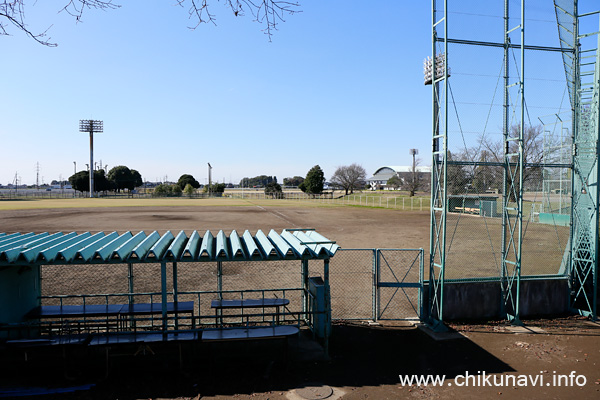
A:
{"x":399,"y":284}
{"x":377,"y":284}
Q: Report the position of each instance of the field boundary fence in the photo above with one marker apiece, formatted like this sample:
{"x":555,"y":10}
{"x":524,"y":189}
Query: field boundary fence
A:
{"x":365,"y":284}
{"x":377,"y":284}
{"x":376,"y":199}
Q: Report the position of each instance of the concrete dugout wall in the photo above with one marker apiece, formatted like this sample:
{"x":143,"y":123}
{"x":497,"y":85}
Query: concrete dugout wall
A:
{"x":483,"y":300}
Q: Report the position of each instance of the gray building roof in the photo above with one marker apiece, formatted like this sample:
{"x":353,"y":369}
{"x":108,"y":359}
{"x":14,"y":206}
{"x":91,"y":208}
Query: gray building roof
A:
{"x":385,"y":173}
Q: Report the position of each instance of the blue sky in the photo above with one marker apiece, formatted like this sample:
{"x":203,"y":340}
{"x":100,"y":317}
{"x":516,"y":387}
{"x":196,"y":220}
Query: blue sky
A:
{"x":340,"y":83}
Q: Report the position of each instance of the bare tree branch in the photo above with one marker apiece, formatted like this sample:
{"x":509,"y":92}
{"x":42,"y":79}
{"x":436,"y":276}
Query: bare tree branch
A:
{"x":76,"y":8}
{"x":349,"y":177}
{"x":266,"y":12}
{"x":13,"y":12}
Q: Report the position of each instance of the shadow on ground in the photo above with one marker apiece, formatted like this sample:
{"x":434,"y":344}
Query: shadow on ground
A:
{"x":361,"y":355}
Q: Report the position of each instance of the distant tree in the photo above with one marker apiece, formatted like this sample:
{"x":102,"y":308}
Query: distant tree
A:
{"x":258,"y":181}
{"x":81,"y":181}
{"x":161,"y":190}
{"x":486,"y":177}
{"x":533,"y":153}
{"x":349,"y":177}
{"x":187,"y":179}
{"x":273,"y":189}
{"x":314,"y":181}
{"x":176,"y":190}
{"x":294,"y":181}
{"x":124,"y":178}
{"x":458,"y":177}
{"x":164,"y":190}
{"x":101,"y":183}
{"x":137,"y":179}
{"x":216,"y":188}
{"x":414,"y":182}
{"x":189,"y":190}
{"x":394,"y":182}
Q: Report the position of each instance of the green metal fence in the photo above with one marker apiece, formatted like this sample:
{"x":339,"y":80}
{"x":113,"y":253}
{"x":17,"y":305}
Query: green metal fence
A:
{"x":377,"y":284}
{"x":384,"y":199}
{"x":366,"y":284}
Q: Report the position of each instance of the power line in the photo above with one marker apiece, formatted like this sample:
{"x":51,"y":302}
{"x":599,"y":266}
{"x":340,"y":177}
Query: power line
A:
{"x":492,"y":76}
{"x":496,"y":16}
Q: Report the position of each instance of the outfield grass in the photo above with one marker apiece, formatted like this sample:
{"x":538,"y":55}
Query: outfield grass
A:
{"x":30,"y":204}
{"x":90,"y":203}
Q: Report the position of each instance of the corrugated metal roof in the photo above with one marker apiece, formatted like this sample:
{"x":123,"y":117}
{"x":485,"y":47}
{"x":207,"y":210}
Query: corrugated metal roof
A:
{"x":102,"y":248}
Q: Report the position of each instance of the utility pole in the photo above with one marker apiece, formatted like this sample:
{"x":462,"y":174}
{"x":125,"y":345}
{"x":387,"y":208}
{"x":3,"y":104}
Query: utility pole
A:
{"x":37,"y":175}
{"x":209,"y":179}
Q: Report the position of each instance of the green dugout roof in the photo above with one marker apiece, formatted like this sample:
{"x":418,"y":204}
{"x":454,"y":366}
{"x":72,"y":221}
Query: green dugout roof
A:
{"x":104,"y":248}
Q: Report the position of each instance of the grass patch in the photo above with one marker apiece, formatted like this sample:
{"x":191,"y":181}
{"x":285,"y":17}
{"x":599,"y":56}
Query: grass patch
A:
{"x":31,"y":204}
{"x":102,"y":203}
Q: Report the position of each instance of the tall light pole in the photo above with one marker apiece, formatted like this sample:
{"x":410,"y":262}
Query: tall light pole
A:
{"x":74,"y":167}
{"x":91,"y":126}
{"x":413,"y":153}
{"x":209,"y":179}
{"x":413,"y":187}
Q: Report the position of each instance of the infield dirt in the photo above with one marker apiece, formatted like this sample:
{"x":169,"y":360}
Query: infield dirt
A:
{"x":350,"y":227}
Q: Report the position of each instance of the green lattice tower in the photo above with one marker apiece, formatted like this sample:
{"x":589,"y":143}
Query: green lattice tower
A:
{"x":581,"y":60}
{"x":512,"y":194}
{"x":439,"y":196}
{"x":584,"y":230}
{"x":512,"y":202}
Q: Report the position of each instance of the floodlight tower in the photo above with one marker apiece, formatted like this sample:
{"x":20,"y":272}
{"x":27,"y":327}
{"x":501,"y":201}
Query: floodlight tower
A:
{"x":90,"y":126}
{"x":436,"y":71}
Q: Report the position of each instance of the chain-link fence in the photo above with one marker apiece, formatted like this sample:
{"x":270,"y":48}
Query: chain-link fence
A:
{"x":399,"y":283}
{"x":380,"y":199}
{"x":479,"y":227}
{"x":501,"y":144}
{"x":197,"y":282}
{"x":372,"y":284}
{"x":352,"y":284}
{"x":365,"y":284}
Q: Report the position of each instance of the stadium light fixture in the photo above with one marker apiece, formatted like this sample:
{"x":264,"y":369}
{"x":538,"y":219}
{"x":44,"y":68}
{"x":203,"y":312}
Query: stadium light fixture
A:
{"x":440,"y":61}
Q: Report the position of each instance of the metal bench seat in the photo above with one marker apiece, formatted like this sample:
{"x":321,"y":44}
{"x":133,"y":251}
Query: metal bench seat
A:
{"x":82,"y":339}
{"x":249,"y":303}
{"x":141,"y":337}
{"x":250,"y":332}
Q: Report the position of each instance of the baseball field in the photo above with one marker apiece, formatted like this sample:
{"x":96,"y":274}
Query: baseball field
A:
{"x":366,"y":359}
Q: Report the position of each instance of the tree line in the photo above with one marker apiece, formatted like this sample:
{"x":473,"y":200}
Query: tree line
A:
{"x":123,"y":178}
{"x":348,"y":178}
{"x":258,"y":181}
{"x":118,"y":178}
